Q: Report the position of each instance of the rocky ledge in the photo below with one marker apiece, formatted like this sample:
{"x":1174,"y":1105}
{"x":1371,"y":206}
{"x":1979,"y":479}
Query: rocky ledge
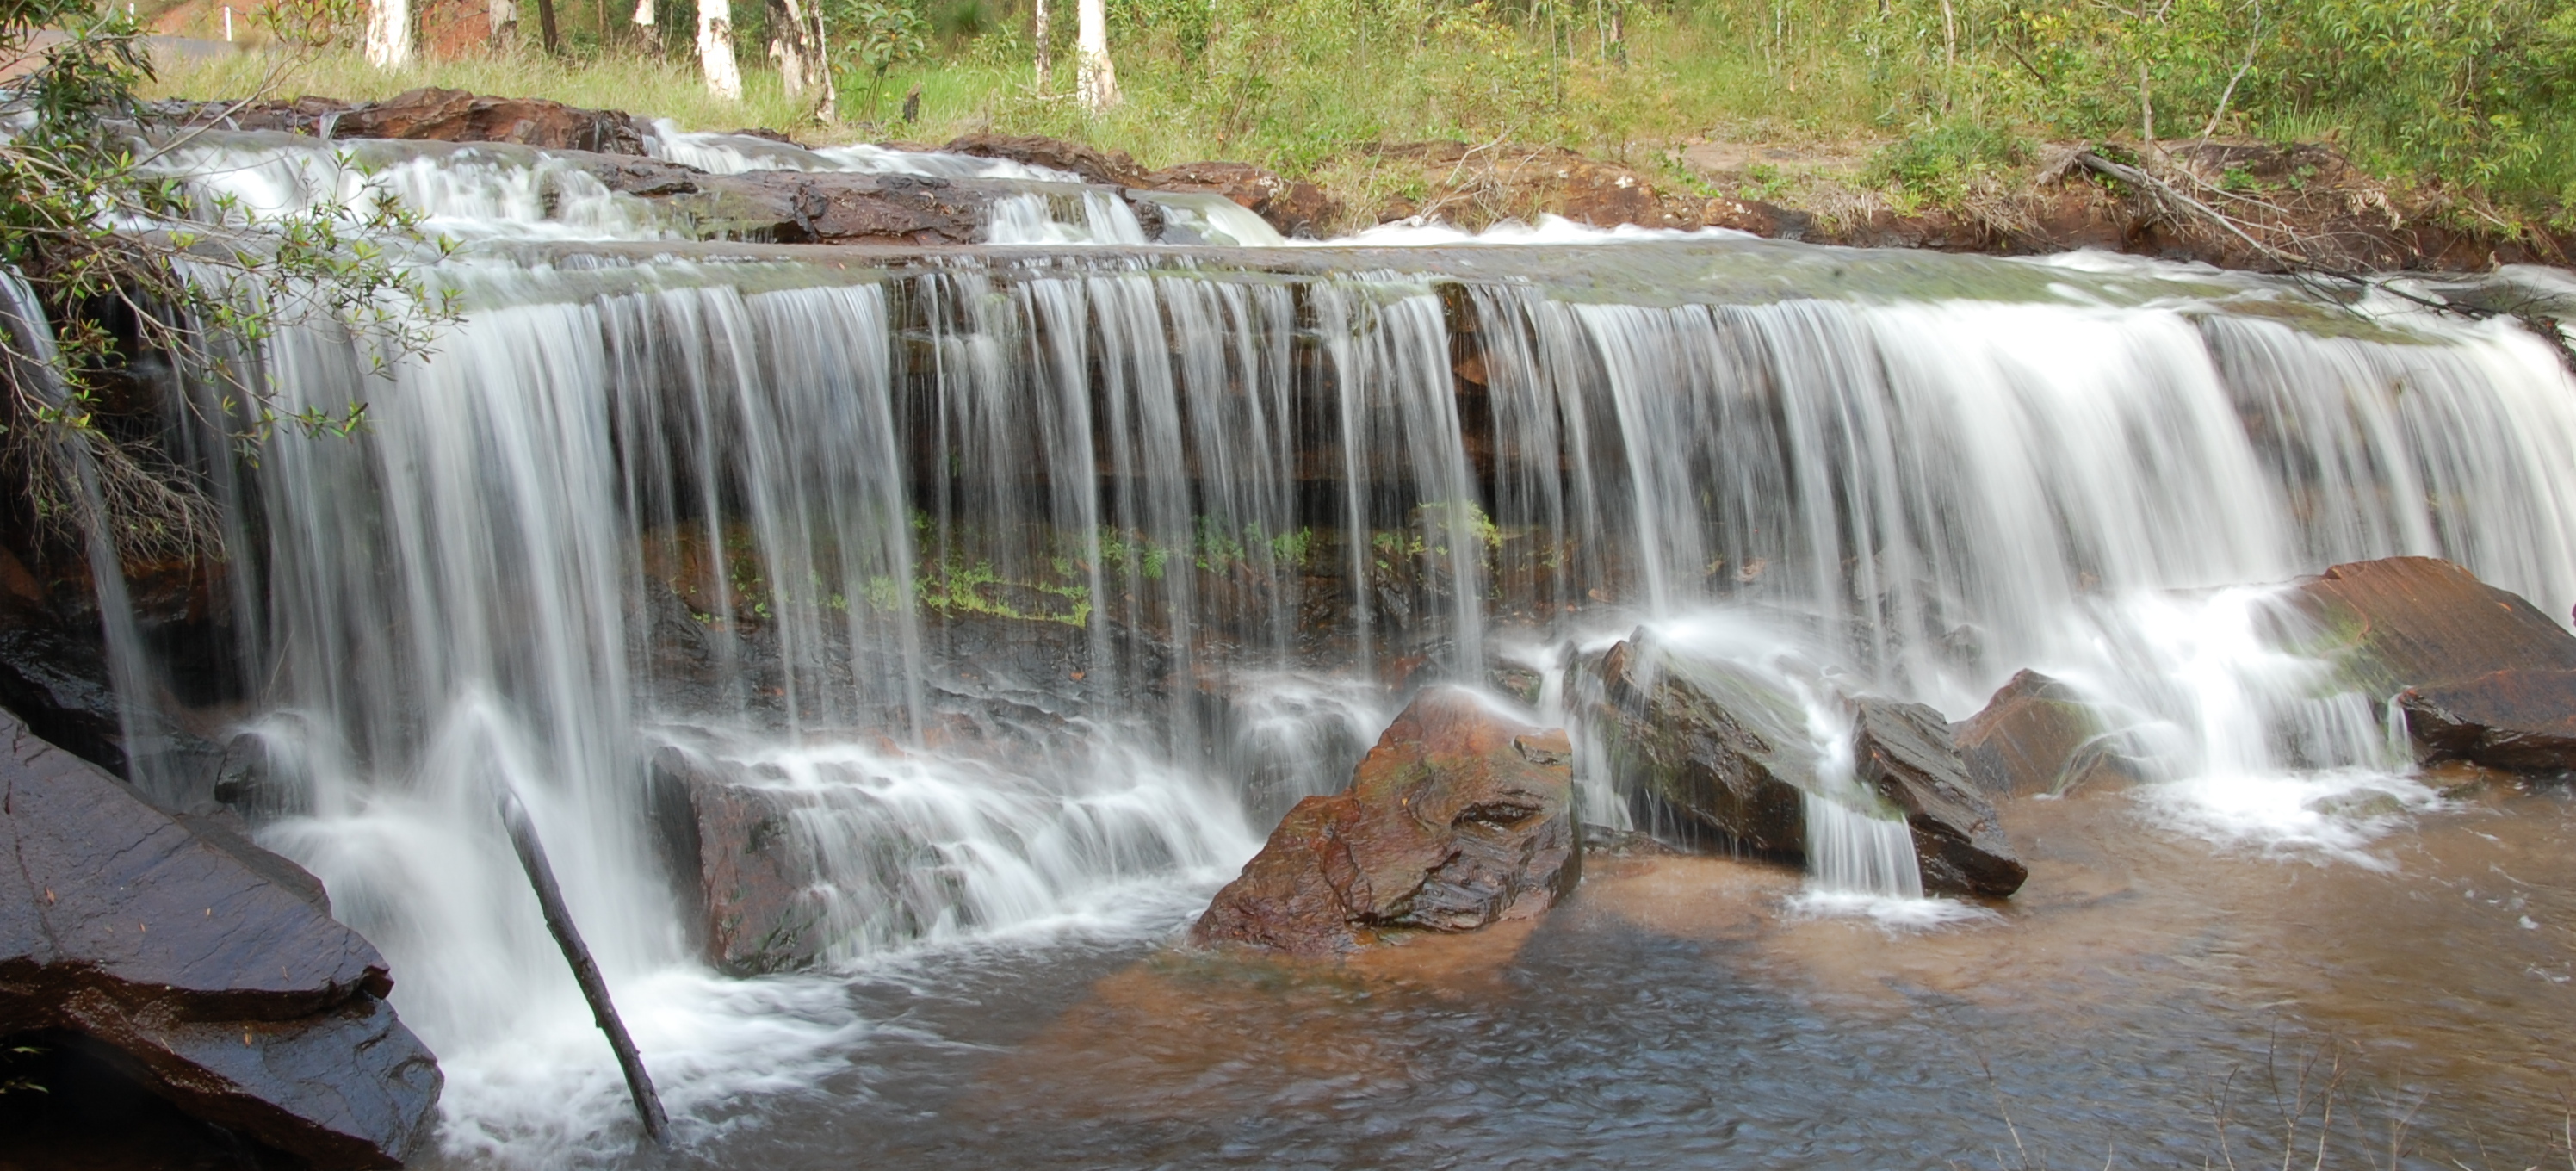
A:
{"x":2320,"y":212}
{"x":210,"y":968}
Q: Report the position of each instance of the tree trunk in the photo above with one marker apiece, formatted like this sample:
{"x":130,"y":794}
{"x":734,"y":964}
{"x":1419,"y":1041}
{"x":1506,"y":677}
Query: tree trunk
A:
{"x":1046,"y":52}
{"x":796,"y":44}
{"x":504,"y":15}
{"x":1097,"y":80}
{"x":389,"y":34}
{"x":715,"y":49}
{"x":643,"y":13}
{"x":546,"y":26}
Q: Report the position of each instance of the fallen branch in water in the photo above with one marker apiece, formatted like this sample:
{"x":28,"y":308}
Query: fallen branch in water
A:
{"x":532,"y":858}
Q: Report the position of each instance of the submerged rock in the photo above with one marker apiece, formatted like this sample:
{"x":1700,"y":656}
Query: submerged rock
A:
{"x":2038,"y":736}
{"x":1457,"y":819}
{"x":2517,"y":720}
{"x":211,"y":965}
{"x":1902,"y":752}
{"x":1722,"y":749}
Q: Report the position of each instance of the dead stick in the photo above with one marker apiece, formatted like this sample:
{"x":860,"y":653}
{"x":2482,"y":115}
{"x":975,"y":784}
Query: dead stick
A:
{"x":532,"y":857}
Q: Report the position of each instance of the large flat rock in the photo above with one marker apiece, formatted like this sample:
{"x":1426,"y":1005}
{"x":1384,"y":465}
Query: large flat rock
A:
{"x":213,"y":965}
{"x":2480,"y":673}
{"x":2402,"y":622}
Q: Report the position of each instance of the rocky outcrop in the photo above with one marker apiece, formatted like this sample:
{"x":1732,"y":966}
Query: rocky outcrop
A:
{"x":2038,"y":736}
{"x":1723,"y":751}
{"x":447,"y":115}
{"x":2480,"y":674}
{"x":1727,"y":760}
{"x":1903,"y":753}
{"x":1112,"y":168}
{"x":2402,"y":622}
{"x":211,"y":966}
{"x":1473,"y":186}
{"x":1457,"y":819}
{"x":1294,"y":207}
{"x":729,"y":847}
{"x":2516,"y":720}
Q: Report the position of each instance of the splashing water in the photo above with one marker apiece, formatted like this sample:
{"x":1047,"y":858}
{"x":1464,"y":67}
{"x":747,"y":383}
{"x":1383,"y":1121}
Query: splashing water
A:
{"x":1032,"y":583}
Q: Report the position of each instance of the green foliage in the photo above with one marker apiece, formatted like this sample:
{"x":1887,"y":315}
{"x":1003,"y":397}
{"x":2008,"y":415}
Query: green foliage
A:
{"x":202,"y":285}
{"x":877,"y":35}
{"x":312,"y":24}
{"x":2478,"y":94}
{"x":1944,"y":160}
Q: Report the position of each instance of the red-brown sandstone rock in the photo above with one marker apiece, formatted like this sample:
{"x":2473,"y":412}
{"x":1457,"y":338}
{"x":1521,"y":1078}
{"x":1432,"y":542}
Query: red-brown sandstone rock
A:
{"x":1459,"y":818}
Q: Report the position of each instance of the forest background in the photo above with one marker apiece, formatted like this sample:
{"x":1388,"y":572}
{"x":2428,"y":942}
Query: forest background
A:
{"x":1923,"y":99}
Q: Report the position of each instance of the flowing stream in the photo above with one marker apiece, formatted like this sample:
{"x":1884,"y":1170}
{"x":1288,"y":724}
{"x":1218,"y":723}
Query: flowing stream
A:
{"x":1038,"y":581}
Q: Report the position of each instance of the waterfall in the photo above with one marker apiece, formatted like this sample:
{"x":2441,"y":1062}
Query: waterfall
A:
{"x":1031,"y":581}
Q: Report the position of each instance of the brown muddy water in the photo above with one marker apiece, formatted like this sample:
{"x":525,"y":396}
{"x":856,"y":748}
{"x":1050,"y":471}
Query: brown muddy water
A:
{"x":2148,"y":1000}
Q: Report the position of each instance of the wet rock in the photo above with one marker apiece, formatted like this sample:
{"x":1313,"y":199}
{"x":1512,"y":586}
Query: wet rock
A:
{"x":2516,"y":720}
{"x":1294,"y":207}
{"x":212,"y":966}
{"x":1723,"y":751}
{"x":1457,"y":819}
{"x":1108,"y":168}
{"x":451,"y":115}
{"x":1902,"y":752}
{"x":731,"y":852}
{"x":799,"y":207}
{"x":58,"y":682}
{"x":2402,"y":622}
{"x":2038,"y":736}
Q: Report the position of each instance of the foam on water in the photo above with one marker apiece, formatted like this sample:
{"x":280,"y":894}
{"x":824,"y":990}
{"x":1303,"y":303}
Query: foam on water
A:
{"x":726,"y":154}
{"x":548,"y":1093}
{"x":1550,"y":229}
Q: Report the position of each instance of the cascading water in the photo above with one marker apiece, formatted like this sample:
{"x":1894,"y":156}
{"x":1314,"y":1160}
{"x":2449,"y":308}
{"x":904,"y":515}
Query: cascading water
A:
{"x":1020,"y":576}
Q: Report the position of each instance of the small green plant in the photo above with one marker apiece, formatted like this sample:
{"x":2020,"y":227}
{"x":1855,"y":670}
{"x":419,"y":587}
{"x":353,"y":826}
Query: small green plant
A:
{"x":875,"y":36}
{"x":312,"y":24}
{"x":1942,"y":161}
{"x":1763,"y":182}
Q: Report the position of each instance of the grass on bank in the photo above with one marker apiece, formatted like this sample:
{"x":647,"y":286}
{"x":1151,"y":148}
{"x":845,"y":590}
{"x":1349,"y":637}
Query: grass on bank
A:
{"x":1931,"y":96}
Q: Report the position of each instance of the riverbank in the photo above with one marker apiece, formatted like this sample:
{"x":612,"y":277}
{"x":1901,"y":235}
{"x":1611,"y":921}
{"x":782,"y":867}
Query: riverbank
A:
{"x":2230,"y":203}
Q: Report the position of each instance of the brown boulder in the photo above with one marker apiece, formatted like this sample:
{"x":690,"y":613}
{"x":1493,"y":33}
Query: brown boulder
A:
{"x":1457,"y":819}
{"x":739,"y":866}
{"x":1107,"y":168}
{"x":2037,"y":736}
{"x":2517,"y":720}
{"x":1726,"y":752}
{"x":2402,"y":622}
{"x":453,"y":115}
{"x":212,"y":966}
{"x":1294,"y":207}
{"x":1902,"y":752}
